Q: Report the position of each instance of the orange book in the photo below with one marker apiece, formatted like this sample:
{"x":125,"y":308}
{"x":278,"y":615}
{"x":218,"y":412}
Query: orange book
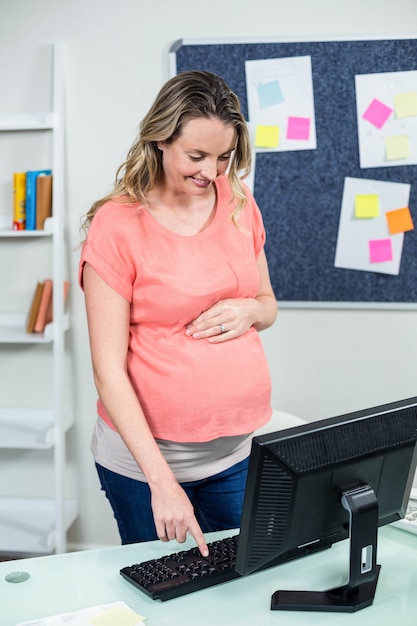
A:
{"x":34,"y":308}
{"x":44,"y":305}
{"x":43,"y":199}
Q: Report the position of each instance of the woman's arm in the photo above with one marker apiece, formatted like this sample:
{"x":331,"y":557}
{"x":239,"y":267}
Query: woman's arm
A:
{"x":108,"y":325}
{"x":237,"y":315}
{"x":268,"y":308}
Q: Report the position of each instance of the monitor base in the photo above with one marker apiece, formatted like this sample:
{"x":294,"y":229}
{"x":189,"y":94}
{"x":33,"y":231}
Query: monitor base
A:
{"x":340,"y":599}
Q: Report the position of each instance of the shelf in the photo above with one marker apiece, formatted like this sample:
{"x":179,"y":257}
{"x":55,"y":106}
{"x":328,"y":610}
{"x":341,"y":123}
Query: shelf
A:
{"x":17,"y":234}
{"x":28,"y":428}
{"x":27,"y":524}
{"x":36,"y":525}
{"x":24,"y":122}
{"x":13,"y":330}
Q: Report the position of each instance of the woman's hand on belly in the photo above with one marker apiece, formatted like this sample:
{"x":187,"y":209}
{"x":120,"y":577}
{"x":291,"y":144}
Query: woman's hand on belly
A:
{"x":225,"y":320}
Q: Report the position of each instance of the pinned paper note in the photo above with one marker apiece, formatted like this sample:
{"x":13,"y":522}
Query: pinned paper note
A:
{"x":380,"y":250}
{"x":377,"y":113}
{"x":279,"y":89}
{"x":399,"y":221}
{"x":270,"y":93}
{"x":353,"y":250}
{"x":387,"y":131}
{"x":405,"y":104}
{"x":366,"y":206}
{"x":298,"y":128}
{"x":397,"y":147}
{"x":267,"y":136}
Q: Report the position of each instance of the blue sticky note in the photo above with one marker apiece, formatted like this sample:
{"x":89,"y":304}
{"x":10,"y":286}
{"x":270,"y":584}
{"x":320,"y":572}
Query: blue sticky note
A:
{"x":270,"y":94}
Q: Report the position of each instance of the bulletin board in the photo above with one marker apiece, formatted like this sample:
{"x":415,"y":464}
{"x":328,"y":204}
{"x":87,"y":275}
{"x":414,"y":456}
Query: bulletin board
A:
{"x":301,"y":191}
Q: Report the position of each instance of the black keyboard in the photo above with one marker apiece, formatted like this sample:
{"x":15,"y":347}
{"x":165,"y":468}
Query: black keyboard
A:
{"x":185,"y":571}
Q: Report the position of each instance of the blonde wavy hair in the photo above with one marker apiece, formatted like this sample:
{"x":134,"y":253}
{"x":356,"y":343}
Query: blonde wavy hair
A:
{"x":186,"y":96}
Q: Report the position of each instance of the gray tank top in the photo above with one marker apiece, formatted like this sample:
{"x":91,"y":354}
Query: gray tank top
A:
{"x":188,"y":461}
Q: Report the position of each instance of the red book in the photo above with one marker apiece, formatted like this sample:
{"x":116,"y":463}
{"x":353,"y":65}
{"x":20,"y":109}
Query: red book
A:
{"x":45,"y":310}
{"x":44,"y":305}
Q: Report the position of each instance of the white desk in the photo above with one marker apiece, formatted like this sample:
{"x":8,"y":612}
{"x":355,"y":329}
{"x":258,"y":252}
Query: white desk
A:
{"x":70,"y":582}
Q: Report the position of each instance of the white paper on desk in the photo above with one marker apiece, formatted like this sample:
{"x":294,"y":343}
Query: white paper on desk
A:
{"x":102,"y":615}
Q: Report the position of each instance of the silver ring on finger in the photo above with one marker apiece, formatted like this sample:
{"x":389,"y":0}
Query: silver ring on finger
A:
{"x":222,"y":329}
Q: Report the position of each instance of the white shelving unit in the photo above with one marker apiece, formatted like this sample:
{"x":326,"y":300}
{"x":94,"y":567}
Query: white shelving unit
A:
{"x":30,"y":524}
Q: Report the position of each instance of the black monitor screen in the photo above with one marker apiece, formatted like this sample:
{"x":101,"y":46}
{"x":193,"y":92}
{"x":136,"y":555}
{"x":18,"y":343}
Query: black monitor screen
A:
{"x":315,"y":484}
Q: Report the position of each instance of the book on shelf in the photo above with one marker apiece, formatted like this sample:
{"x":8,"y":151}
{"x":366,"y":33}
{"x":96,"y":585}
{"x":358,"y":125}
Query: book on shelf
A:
{"x":31,"y":187}
{"x":19,"y":200}
{"x":44,"y":304}
{"x":43,"y":199}
{"x":44,"y":315}
{"x":34,"y":308}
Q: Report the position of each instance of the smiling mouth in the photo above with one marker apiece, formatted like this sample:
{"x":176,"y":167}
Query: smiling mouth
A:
{"x":200,"y":182}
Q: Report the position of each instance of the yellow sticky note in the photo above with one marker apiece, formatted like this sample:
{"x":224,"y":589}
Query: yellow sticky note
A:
{"x":120,"y":615}
{"x":405,"y":104}
{"x":267,"y":136}
{"x":399,"y":220}
{"x":366,"y":206}
{"x":397,"y":147}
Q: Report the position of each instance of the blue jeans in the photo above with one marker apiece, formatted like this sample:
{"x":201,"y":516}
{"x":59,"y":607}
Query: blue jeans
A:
{"x":217,"y":501}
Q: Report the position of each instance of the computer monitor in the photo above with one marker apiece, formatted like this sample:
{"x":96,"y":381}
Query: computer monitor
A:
{"x":322,"y":482}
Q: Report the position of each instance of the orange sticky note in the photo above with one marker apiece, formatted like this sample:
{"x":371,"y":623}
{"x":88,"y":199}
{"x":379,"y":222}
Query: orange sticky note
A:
{"x":399,"y":221}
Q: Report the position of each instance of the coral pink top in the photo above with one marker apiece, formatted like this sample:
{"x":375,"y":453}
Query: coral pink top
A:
{"x":190,"y":390}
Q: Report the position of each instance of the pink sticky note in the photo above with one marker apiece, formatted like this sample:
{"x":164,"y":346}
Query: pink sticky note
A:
{"x":298,"y":128}
{"x":380,"y":250}
{"x":377,"y":113}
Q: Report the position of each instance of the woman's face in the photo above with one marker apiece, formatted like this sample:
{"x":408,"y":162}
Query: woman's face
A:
{"x":200,"y":154}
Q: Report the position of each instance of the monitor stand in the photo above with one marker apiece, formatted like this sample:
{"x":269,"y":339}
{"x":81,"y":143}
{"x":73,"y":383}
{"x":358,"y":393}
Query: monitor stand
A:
{"x":359,"y":592}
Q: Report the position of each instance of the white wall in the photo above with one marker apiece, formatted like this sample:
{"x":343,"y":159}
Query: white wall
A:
{"x":323,"y":362}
